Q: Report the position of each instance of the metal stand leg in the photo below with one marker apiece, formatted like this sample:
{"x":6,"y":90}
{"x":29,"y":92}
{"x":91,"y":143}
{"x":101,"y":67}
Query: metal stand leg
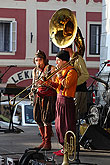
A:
{"x":12,"y":129}
{"x":77,"y":160}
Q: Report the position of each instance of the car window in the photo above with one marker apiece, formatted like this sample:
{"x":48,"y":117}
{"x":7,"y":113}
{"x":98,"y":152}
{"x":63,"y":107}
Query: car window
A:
{"x":5,"y":113}
{"x":29,"y":114}
{"x":19,"y":113}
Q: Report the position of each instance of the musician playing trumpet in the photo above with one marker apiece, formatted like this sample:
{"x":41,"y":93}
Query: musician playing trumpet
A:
{"x":44,"y":99}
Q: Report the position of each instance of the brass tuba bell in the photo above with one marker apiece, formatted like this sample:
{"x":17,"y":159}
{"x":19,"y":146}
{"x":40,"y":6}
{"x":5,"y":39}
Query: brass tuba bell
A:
{"x":63,"y":28}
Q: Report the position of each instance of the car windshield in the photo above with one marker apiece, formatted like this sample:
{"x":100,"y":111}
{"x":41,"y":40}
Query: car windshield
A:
{"x":29,"y":114}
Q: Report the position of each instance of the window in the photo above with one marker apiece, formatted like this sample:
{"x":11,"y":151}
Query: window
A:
{"x":55,"y":49}
{"x":8,"y":37}
{"x":94,"y":41}
{"x":19,"y":113}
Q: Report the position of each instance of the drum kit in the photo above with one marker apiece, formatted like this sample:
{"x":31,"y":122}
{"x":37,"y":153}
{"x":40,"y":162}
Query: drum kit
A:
{"x":100,"y":112}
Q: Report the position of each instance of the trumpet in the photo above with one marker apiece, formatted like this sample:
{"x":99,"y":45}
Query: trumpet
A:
{"x":45,"y":79}
{"x":69,"y":148}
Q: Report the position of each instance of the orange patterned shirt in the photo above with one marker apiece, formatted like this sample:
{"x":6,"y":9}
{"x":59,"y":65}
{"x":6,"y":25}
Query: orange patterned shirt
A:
{"x":68,"y":82}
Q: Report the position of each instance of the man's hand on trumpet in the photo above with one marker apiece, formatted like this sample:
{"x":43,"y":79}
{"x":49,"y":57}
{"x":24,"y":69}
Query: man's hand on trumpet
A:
{"x":59,"y":74}
{"x":40,"y":82}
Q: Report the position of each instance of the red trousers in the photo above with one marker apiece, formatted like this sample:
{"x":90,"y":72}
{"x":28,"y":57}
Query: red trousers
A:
{"x":64,"y":117}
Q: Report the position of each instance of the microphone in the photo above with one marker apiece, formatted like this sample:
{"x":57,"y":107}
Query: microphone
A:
{"x":106,"y":62}
{"x":12,"y":66}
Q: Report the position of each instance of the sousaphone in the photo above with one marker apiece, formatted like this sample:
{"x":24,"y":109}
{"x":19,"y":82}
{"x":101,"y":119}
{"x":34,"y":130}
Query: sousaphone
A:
{"x":63,"y":27}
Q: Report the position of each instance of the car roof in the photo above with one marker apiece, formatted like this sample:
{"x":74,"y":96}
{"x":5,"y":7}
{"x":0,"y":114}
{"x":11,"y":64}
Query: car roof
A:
{"x":27,"y":102}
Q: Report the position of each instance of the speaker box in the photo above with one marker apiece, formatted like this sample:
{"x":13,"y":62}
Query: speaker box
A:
{"x":95,"y":138}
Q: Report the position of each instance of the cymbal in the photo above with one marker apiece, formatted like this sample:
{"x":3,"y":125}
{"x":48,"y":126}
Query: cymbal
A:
{"x":99,"y":80}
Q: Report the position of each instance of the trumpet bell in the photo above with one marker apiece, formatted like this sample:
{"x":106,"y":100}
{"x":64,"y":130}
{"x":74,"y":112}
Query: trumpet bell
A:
{"x":63,"y":27}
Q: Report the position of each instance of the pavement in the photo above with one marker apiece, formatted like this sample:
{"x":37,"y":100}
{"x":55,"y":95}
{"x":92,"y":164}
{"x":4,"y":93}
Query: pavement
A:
{"x":14,"y":144}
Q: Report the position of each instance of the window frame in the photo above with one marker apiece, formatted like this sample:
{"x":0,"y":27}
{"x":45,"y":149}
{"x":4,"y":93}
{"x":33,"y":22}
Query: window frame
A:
{"x":88,"y":38}
{"x":13,"y":32}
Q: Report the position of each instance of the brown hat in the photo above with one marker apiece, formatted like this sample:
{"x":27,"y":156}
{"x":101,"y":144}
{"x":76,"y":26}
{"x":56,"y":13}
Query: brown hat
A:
{"x":40,"y":54}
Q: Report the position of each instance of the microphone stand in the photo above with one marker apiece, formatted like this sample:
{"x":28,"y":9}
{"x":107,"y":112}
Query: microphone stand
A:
{"x":97,"y":76}
{"x":5,"y":72}
{"x":91,"y":85}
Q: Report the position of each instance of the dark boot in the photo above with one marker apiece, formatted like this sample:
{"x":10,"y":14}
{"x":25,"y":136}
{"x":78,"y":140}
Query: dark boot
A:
{"x":41,"y":129}
{"x":48,"y":132}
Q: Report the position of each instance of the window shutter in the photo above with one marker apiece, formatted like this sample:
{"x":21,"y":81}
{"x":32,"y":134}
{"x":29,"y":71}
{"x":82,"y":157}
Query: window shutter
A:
{"x":13,"y":36}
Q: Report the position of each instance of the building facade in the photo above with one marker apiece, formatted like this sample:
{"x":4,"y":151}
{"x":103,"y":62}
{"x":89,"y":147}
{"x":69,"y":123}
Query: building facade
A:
{"x":24,"y":28}
{"x":105,"y":39}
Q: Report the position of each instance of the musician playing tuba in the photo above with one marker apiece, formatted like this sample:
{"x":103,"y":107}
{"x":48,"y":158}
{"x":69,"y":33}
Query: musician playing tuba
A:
{"x":44,"y":99}
{"x":83,"y":75}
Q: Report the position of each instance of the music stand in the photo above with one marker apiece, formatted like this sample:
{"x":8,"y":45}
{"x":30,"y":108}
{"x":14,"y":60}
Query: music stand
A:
{"x":3,"y":86}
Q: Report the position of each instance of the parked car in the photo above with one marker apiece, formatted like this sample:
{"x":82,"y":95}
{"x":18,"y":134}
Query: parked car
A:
{"x":22,"y":115}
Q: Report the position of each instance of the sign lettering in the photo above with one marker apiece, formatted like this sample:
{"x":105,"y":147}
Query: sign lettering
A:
{"x":20,"y":76}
